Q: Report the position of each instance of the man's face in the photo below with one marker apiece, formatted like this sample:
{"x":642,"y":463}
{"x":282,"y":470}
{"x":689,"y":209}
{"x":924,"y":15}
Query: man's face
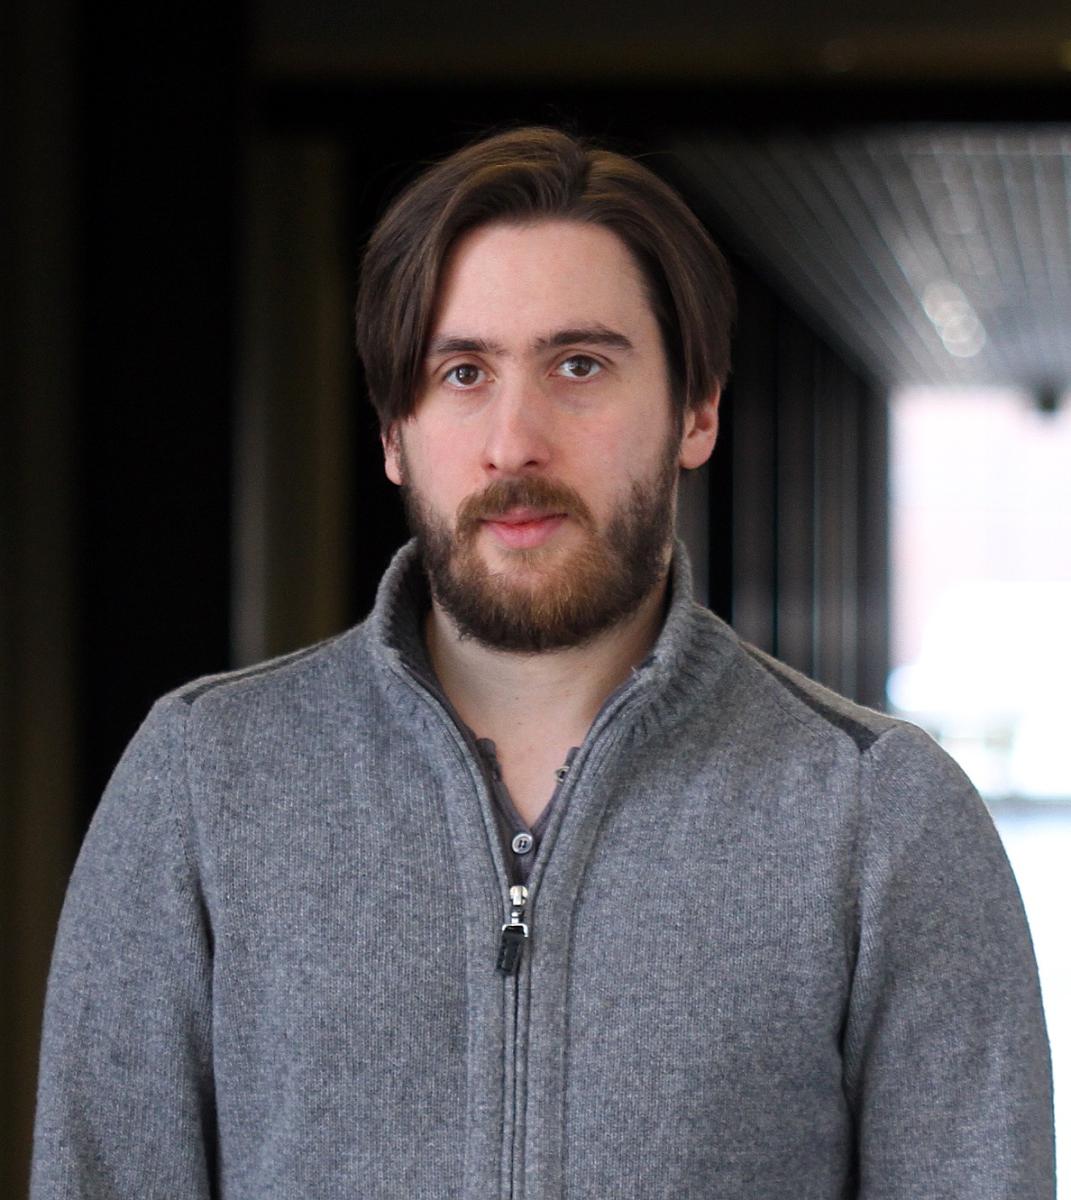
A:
{"x":540,"y":465}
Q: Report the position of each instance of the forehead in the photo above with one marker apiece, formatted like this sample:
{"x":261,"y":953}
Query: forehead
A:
{"x":507,"y":280}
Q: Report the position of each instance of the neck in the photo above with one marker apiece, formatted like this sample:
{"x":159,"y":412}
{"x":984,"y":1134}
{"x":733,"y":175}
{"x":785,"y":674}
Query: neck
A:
{"x":561,"y":690}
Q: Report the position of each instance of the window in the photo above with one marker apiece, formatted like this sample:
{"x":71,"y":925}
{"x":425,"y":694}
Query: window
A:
{"x":981,"y":640}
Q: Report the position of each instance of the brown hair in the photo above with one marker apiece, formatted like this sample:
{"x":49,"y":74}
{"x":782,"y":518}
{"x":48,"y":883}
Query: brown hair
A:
{"x":527,"y":175}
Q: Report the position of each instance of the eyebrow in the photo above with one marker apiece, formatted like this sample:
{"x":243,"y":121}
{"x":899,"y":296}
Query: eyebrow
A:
{"x":588,"y":335}
{"x":463,"y":345}
{"x":592,"y":335}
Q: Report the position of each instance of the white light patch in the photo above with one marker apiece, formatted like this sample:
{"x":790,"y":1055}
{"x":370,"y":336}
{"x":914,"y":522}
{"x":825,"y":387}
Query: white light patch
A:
{"x":954,"y":318}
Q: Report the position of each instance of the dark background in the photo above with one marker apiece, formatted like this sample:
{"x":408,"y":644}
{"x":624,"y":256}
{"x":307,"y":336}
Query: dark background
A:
{"x":189,"y":478}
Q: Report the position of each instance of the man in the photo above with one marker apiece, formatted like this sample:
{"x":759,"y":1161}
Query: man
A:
{"x":539,"y":883}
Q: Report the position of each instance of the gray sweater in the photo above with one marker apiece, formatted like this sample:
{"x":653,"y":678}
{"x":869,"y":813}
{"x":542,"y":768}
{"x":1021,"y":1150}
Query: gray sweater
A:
{"x":775,"y":950}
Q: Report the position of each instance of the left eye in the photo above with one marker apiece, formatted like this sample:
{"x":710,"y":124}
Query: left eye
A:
{"x":465,"y":375}
{"x":579,"y":366}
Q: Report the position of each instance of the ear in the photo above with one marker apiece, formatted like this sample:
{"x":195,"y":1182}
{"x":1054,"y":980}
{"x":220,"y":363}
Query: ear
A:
{"x":392,"y":452}
{"x":700,"y":432}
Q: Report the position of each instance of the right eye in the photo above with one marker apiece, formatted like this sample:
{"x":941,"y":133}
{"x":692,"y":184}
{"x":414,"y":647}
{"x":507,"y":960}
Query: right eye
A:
{"x":464,"y":375}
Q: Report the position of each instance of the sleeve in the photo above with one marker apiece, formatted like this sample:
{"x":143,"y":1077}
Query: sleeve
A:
{"x":946,"y":1058}
{"x":125,"y":1095}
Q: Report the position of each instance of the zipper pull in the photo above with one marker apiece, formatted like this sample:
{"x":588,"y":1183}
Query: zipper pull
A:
{"x":514,"y":932}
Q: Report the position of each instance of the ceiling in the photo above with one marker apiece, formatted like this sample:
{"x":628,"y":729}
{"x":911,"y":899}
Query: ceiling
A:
{"x":934,"y":254}
{"x":688,"y":40}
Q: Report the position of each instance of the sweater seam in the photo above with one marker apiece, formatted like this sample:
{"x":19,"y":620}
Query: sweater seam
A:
{"x":821,"y":726}
{"x":188,"y":794}
{"x":233,"y":682}
{"x":583,"y":867}
{"x":863,"y":822}
{"x":864,"y":829}
{"x":818,"y":728}
{"x":183,"y":829}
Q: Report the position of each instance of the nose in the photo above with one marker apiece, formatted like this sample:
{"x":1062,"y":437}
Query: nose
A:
{"x":518,"y":437}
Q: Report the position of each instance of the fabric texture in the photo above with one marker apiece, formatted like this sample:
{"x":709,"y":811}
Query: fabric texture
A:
{"x":776,"y":950}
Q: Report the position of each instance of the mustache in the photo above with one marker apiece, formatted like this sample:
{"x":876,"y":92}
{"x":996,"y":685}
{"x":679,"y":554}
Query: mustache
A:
{"x":527,"y":492}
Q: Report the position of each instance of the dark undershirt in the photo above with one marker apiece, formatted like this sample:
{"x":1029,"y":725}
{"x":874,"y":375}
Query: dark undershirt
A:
{"x":519,"y":840}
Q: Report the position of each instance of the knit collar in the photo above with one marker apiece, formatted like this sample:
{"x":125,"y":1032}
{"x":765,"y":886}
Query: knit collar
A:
{"x":679,"y":660}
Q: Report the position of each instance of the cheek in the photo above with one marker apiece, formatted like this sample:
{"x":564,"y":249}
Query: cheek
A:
{"x":448,"y":466}
{"x":621,"y":456}
{"x":439,"y":479}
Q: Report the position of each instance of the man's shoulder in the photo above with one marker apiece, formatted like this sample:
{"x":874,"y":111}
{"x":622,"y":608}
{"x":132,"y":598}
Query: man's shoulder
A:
{"x":810,"y":704}
{"x":327,"y":670}
{"x":757,"y":698}
{"x":786,"y":713}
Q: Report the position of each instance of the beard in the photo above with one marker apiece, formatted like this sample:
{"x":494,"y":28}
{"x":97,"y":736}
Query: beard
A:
{"x":554,"y":599}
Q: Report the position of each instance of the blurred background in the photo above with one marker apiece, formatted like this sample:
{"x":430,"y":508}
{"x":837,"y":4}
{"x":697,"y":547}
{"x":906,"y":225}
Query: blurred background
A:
{"x":190,"y":480}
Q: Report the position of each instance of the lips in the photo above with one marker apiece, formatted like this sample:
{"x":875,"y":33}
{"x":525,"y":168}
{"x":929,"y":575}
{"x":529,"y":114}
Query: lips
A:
{"x":521,"y":516}
{"x":521,"y":513}
{"x":524,"y":528}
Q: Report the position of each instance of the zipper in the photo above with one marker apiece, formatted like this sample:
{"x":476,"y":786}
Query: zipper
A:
{"x":514,"y":932}
{"x":512,"y":935}
{"x":512,"y":938}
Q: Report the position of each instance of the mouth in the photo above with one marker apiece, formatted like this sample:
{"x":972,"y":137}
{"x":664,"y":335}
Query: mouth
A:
{"x":524,"y":528}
